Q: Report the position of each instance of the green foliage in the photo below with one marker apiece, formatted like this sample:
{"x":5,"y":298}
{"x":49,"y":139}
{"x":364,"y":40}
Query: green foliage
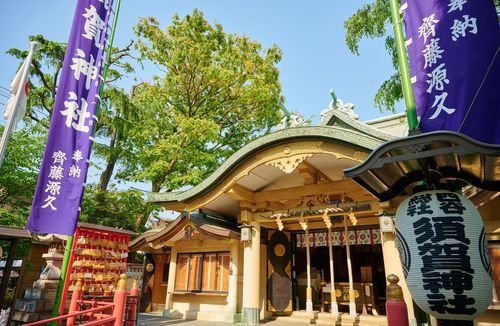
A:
{"x":372,"y":20}
{"x":46,"y":66}
{"x":125,"y":209}
{"x":218,"y":92}
{"x":19,"y":172}
{"x":18,"y":176}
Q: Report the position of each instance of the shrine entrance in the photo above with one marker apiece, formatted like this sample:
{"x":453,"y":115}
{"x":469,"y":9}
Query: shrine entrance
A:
{"x":368,"y":274}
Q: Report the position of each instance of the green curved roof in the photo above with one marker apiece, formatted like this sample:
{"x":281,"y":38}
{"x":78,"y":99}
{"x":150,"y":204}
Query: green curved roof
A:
{"x":334,"y":134}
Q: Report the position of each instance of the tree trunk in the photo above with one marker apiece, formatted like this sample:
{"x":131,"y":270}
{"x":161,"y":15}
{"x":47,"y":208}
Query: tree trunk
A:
{"x":155,"y":186}
{"x":110,"y":164}
{"x":107,"y":173}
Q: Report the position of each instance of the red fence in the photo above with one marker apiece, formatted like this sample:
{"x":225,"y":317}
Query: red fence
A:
{"x":121,"y":311}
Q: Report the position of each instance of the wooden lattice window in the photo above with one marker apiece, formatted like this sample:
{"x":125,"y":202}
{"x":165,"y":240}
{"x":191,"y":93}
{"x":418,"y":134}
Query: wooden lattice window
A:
{"x":202,"y":272}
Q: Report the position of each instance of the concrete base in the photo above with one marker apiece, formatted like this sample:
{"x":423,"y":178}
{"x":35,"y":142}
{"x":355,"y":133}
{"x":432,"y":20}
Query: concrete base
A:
{"x":335,"y":309}
{"x":309,"y":305}
{"x":352,"y":309}
{"x":251,"y":316}
{"x":233,"y":318}
{"x":201,"y":315}
{"x":172,"y":313}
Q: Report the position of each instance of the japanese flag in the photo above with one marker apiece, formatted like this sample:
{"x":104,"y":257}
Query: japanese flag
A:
{"x":16,"y":106}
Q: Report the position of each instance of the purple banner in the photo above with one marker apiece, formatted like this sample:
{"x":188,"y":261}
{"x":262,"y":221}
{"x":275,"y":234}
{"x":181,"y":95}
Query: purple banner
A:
{"x":59,"y":190}
{"x":453,"y":48}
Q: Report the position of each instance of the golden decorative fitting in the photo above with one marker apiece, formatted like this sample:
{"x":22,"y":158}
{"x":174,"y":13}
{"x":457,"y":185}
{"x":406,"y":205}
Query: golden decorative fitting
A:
{"x":290,"y":163}
{"x":134,"y":284}
{"x":394,"y":291}
{"x":79,"y":283}
{"x":353,"y":218}
{"x":122,"y":283}
{"x":326,"y":219}
{"x":279,"y":223}
{"x":359,"y":156}
{"x":352,"y":295}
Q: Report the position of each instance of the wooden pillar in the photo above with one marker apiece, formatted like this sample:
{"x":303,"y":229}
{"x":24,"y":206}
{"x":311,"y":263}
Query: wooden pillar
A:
{"x":352,"y":303}
{"x":172,"y":269}
{"x":309,"y":303}
{"x":232,"y":297}
{"x":7,"y":270}
{"x":334,"y":310}
{"x":251,"y":277}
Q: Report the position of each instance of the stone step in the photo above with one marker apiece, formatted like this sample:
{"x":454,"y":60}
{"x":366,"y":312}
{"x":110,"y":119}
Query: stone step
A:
{"x":317,"y":318}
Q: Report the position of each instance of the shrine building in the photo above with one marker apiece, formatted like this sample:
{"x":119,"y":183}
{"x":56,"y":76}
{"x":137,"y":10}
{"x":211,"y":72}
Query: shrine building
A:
{"x":251,"y":241}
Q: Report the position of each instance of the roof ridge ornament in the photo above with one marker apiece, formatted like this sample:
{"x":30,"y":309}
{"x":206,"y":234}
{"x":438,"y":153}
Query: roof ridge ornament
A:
{"x":291,"y":120}
{"x":337,"y":104}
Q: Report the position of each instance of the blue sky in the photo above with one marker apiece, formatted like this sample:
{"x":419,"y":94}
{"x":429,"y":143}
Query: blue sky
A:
{"x":310,"y":33}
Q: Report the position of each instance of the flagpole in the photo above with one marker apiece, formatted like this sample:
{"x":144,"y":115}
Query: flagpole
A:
{"x":69,"y":242}
{"x":404,"y":68}
{"x":11,"y":121}
{"x":108,"y":56}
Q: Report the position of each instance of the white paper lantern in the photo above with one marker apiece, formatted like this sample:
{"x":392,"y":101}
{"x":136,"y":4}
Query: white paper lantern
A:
{"x":443,"y":248}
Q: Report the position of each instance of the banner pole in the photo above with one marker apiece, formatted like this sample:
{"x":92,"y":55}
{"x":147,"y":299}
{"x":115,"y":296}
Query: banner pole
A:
{"x":62,"y":277}
{"x":108,"y":55}
{"x":10,"y":123}
{"x":404,"y":69}
{"x":69,"y":242}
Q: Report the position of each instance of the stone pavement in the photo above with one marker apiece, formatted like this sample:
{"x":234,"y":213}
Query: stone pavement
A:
{"x":155,"y":319}
{"x":152,"y":319}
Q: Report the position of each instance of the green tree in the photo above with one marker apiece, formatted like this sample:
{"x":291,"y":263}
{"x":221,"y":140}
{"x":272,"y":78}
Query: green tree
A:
{"x":125,"y":209}
{"x":216,"y":92}
{"x":46,"y":68}
{"x":372,"y":20}
{"x":19,"y":172}
{"x":18,"y":176}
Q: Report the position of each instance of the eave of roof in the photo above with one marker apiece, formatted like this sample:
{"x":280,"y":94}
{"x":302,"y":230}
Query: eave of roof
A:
{"x":141,"y":241}
{"x":391,"y":117}
{"x":106,"y":228}
{"x":327,"y":133}
{"x":335,"y":116}
{"x":207,"y":224}
{"x":8,"y":232}
{"x":397,"y":164}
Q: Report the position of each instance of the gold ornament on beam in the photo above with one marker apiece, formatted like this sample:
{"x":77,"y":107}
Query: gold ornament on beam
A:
{"x":279,"y":223}
{"x":353,"y":218}
{"x":302,"y":221}
{"x":326,"y":219}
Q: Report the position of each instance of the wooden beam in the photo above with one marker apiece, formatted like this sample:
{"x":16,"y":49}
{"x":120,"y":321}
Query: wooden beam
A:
{"x":311,"y":217}
{"x":174,"y":206}
{"x":319,"y":224}
{"x":238,"y":192}
{"x":358,"y":208}
{"x":327,"y":188}
{"x":311,"y":174}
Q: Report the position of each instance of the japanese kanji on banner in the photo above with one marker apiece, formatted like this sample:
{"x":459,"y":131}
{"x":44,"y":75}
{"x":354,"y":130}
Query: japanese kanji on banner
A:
{"x":59,"y":190}
{"x":444,"y":252}
{"x":453,"y":48}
